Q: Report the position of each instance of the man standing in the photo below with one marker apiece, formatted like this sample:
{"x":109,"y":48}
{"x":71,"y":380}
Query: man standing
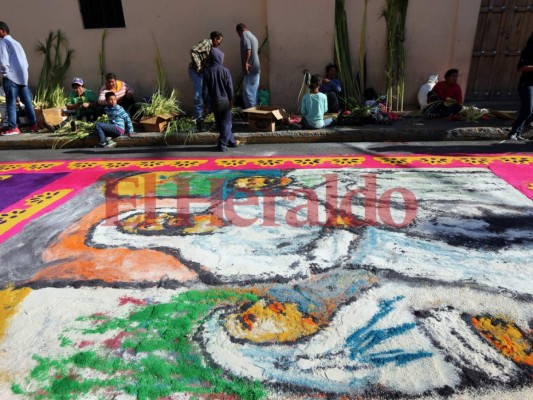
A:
{"x":14,"y":70}
{"x":199,"y":57}
{"x":251,"y":68}
{"x":218,"y":89}
{"x":525,"y":91}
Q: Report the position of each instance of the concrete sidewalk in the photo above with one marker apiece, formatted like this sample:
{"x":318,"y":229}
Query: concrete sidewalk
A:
{"x":407,"y":129}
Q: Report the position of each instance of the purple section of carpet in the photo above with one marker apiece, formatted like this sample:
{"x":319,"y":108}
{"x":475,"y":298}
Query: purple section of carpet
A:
{"x":18,"y":186}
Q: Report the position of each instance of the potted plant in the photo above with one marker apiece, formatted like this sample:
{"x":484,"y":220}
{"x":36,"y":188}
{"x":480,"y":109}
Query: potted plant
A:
{"x":48,"y":107}
{"x":155,"y":114}
{"x":160,"y":108}
{"x":49,"y":97}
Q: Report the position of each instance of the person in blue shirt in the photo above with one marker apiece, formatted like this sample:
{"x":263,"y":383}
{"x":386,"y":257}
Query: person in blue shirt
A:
{"x":14,"y":71}
{"x":332,"y":88}
{"x":314,"y":106}
{"x":119,"y":122}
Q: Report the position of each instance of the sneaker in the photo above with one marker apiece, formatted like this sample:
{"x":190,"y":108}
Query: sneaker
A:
{"x":34,"y":128}
{"x":11,"y":132}
{"x":110,"y":144}
{"x":222,"y":148}
{"x":516,"y":137}
{"x":236,"y":144}
{"x":108,"y":140}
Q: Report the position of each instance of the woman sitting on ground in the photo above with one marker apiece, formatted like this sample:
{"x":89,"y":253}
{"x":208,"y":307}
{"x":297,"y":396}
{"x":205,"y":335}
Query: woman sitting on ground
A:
{"x":331,"y":87}
{"x":446,"y":97}
{"x":314,"y":106}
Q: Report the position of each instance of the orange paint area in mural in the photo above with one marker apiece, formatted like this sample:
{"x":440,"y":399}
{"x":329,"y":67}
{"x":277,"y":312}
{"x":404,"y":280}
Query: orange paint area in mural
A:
{"x":507,"y":338}
{"x":273,"y":322}
{"x":70,"y":258}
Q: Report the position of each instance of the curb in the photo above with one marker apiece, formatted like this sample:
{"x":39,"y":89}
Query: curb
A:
{"x":372,"y":133}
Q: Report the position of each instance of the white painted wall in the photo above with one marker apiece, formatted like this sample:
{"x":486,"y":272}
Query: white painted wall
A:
{"x":440,"y":35}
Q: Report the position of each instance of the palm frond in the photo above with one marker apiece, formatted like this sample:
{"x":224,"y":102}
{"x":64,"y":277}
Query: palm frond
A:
{"x":57,"y":59}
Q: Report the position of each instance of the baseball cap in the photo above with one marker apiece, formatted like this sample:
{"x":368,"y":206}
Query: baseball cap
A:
{"x":77,"y":81}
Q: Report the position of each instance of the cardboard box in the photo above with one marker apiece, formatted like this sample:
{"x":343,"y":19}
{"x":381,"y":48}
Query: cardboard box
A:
{"x":264,"y":118}
{"x":49,"y":116}
{"x":157,"y":123}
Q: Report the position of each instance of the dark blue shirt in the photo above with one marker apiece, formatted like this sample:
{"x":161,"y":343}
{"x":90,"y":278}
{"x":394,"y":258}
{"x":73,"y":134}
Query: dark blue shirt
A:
{"x":217,"y":82}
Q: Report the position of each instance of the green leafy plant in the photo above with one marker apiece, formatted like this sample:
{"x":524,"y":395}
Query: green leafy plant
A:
{"x":362,"y":51}
{"x":357,"y":113}
{"x":342,"y":55}
{"x":160,"y":71}
{"x":183,"y":125}
{"x":159,"y":105}
{"x":236,"y":113}
{"x":473,"y":113}
{"x":50,"y":98}
{"x":101,"y":57}
{"x":395,"y":12}
{"x":66,"y":135}
{"x":57,"y":59}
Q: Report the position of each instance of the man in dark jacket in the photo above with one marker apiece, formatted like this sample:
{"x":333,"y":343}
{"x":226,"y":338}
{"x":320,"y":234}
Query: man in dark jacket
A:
{"x":218,"y":88}
{"x":525,"y":90}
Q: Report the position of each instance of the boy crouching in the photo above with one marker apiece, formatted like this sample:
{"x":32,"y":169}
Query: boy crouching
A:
{"x":119,"y":122}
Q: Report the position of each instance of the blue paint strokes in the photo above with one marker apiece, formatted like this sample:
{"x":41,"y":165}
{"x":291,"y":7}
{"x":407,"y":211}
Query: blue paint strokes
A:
{"x":366,"y":338}
{"x":312,"y":296}
{"x":399,"y":360}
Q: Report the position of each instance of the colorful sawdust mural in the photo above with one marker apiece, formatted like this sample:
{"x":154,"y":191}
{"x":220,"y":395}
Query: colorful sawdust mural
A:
{"x":340,"y":277}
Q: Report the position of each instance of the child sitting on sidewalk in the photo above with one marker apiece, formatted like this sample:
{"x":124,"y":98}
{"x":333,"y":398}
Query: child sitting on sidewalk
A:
{"x":119,"y":122}
{"x":314,"y":106}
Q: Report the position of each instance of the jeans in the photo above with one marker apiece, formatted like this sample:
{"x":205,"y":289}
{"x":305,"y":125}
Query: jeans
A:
{"x":327,"y":122}
{"x":222,"y":110}
{"x":104,"y":129}
{"x":525,"y":116}
{"x":441,"y":110}
{"x":250,"y":84}
{"x":197,"y":80}
{"x":333,"y":102}
{"x":13,"y":91}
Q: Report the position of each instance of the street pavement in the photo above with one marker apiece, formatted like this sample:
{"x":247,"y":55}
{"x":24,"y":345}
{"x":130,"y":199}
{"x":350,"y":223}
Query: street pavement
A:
{"x":278,"y":271}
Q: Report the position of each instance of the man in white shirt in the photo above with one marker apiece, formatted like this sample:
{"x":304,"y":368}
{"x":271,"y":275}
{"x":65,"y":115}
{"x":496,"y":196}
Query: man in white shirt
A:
{"x":14,"y":71}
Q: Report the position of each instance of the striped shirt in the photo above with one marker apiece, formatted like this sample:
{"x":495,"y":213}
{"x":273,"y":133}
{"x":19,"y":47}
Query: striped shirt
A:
{"x":120,"y":90}
{"x":120,"y":118}
{"x":200,"y":54}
